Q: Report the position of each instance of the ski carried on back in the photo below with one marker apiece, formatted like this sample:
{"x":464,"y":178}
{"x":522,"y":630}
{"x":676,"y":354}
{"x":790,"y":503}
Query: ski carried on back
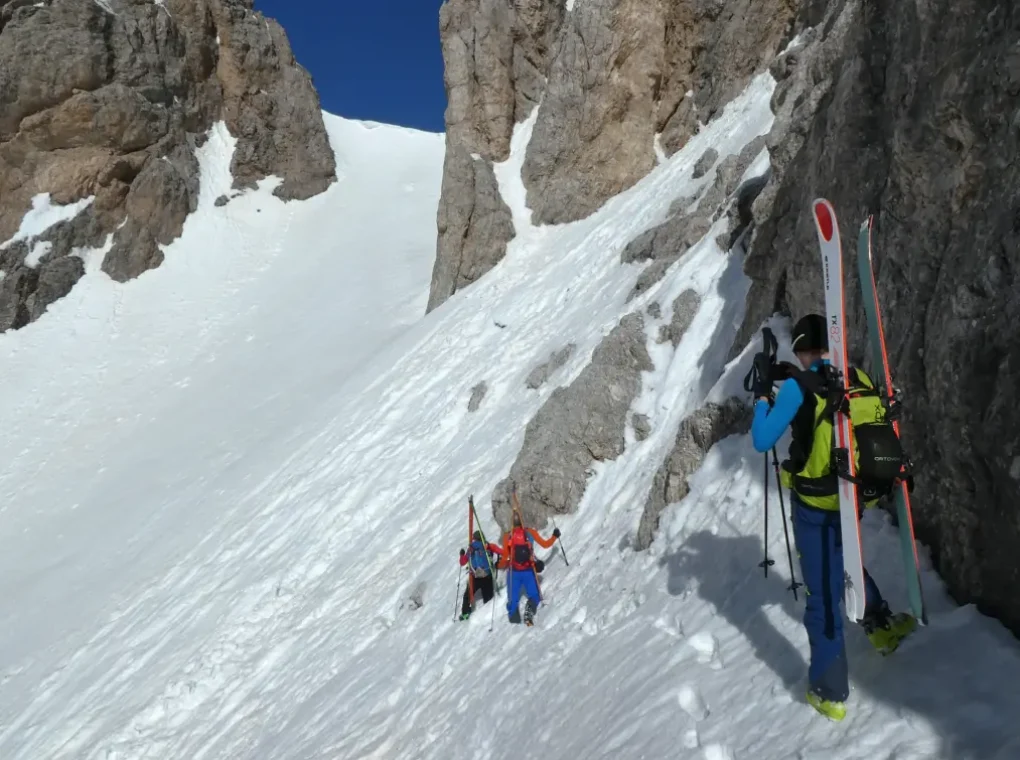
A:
{"x":901,"y":495}
{"x":832,"y":271}
{"x":471,"y":534}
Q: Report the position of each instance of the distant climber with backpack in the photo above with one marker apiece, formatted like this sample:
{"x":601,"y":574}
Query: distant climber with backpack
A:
{"x":481,"y":565}
{"x":804,"y":404}
{"x":519,"y":555}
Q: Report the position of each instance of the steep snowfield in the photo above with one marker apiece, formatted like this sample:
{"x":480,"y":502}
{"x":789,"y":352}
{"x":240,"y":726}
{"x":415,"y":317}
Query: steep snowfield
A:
{"x":227,"y":480}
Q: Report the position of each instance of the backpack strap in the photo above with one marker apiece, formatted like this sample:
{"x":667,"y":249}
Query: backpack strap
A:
{"x":822,"y":383}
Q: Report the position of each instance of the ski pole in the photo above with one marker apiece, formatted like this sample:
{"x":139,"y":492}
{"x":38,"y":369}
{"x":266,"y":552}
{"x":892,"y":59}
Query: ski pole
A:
{"x":495,"y":603}
{"x":559,"y":541}
{"x":765,"y":563}
{"x":456,"y":600}
{"x":769,"y":347}
{"x":782,"y":508}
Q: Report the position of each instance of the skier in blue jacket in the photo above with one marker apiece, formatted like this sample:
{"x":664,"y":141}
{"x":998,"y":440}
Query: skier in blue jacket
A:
{"x":814,"y":499}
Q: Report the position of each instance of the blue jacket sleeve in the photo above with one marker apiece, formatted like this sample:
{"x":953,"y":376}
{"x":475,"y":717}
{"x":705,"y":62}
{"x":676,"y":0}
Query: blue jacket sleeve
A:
{"x":768,"y":426}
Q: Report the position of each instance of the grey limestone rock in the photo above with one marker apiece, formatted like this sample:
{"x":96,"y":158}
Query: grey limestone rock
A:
{"x":595,"y":131}
{"x":911,"y":114}
{"x":496,"y":54}
{"x":540,"y":374}
{"x":642,"y":426}
{"x":477,"y":395}
{"x":474,"y":225}
{"x":109,"y":100}
{"x":685,"y":308}
{"x":705,"y":162}
{"x":696,"y":435}
{"x":578,"y":424}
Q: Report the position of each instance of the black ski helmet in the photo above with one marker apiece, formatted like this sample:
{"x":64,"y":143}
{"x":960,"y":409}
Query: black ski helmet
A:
{"x":478,"y":535}
{"x":809,"y":334}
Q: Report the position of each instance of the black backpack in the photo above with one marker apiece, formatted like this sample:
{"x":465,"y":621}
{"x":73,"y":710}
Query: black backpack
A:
{"x":880,"y":462}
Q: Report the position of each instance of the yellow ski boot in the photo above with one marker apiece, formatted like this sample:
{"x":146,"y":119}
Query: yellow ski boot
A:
{"x":885,"y":631}
{"x":831,"y":710}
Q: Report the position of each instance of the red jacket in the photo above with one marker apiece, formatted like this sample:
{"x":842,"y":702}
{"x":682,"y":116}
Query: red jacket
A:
{"x":517,"y":536}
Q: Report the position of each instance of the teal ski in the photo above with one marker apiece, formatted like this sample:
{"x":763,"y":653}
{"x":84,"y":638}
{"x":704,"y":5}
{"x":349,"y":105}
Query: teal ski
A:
{"x":901,"y":497}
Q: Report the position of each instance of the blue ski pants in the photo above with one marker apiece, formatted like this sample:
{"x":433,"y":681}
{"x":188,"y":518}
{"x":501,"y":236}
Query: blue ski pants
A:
{"x":522,"y":580}
{"x":820,"y":548}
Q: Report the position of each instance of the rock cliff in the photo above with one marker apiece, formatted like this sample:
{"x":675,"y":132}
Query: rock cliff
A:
{"x":613,"y":76}
{"x":911,"y":112}
{"x":103,"y":102}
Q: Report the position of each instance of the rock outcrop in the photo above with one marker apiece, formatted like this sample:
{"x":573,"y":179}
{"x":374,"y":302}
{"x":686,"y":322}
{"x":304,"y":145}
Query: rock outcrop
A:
{"x":496,"y":54}
{"x":578,"y":424}
{"x":477,"y":396}
{"x":540,"y":374}
{"x":106,"y":101}
{"x":697,"y":434}
{"x":627,"y":70}
{"x":685,"y":309}
{"x":691,"y":218}
{"x":911,"y":113}
{"x":610,"y":76}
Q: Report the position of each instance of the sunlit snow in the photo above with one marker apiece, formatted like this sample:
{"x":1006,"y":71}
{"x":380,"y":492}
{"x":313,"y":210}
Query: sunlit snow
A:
{"x":225,"y":481}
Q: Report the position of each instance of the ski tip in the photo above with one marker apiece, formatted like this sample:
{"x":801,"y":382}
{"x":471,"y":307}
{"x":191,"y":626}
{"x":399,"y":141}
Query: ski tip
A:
{"x":825,"y":219}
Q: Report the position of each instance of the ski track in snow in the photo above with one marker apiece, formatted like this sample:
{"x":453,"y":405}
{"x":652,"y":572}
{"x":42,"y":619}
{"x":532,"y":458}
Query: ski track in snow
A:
{"x":229,"y":478}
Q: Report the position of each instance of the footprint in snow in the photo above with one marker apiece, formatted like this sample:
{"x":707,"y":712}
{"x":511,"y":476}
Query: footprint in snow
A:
{"x":718,"y":752}
{"x":692,"y":702}
{"x":691,"y":739}
{"x":394,"y":697}
{"x":707,"y":647}
{"x":781,"y":694}
{"x":671,"y":626}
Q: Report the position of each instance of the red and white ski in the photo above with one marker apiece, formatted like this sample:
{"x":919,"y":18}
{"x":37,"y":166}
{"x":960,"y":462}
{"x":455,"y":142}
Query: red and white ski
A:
{"x":471,"y":537}
{"x":832,"y":271}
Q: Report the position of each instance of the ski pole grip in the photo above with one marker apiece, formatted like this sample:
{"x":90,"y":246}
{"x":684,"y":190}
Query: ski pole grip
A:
{"x":770,"y":344}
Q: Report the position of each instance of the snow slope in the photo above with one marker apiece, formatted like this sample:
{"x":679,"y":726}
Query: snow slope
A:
{"x":229,"y":479}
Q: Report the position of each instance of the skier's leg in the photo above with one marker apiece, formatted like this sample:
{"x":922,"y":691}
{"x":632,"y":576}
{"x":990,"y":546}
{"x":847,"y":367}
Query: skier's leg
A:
{"x":821,"y":565}
{"x":485,"y":587}
{"x":465,"y":609}
{"x":872,"y":594}
{"x":884,"y":629}
{"x":514,"y":595}
{"x":530,"y":584}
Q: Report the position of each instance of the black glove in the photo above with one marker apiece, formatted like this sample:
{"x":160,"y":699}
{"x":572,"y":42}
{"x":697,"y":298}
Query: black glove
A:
{"x":761,"y":375}
{"x":539,"y":566}
{"x":782,"y":371}
{"x":556,"y":533}
{"x":462,"y":552}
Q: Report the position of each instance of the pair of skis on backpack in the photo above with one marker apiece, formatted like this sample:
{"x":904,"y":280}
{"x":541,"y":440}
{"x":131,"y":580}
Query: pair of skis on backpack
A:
{"x":846,"y":446}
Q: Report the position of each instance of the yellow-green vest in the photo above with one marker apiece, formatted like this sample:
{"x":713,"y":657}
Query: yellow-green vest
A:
{"x":809,"y":471}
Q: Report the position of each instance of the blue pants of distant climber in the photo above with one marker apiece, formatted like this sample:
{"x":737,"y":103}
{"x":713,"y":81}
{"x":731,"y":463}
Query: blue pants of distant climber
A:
{"x":522,"y":580}
{"x":820,"y":546}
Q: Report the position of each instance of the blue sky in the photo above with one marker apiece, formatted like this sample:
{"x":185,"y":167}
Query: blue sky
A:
{"x":377,"y":60}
